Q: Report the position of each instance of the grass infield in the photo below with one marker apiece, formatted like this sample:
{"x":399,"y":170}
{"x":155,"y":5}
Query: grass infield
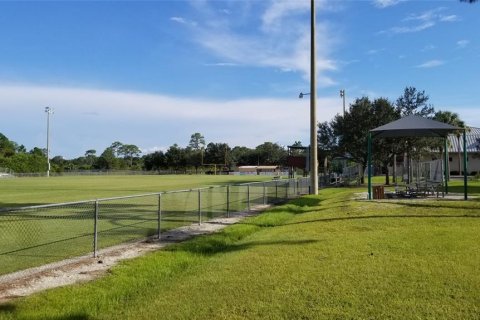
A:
{"x":318,"y":257}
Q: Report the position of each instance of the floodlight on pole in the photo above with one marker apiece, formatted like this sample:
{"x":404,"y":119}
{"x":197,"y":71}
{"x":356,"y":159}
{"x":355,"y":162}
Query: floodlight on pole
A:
{"x":48,"y":111}
{"x":342,"y":95}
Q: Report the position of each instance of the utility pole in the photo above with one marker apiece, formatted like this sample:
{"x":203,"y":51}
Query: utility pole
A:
{"x":313,"y":111}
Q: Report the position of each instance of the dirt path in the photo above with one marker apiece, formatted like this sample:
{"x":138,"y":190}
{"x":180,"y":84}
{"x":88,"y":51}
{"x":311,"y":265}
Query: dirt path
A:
{"x":86,"y":268}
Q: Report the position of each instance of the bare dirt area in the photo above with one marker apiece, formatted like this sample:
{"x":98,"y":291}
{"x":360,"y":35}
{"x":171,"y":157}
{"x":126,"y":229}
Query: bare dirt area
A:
{"x":86,"y":268}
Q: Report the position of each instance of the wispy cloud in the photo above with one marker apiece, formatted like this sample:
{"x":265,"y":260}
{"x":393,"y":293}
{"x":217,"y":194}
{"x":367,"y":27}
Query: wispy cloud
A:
{"x":149,"y":120}
{"x":182,"y":20}
{"x":450,"y":18}
{"x":280,"y":37}
{"x":222,"y":64}
{"x":462,"y":43}
{"x":422,"y":21}
{"x":386,"y":3}
{"x":375,"y":51}
{"x":431,"y":64}
{"x":428,"y":47}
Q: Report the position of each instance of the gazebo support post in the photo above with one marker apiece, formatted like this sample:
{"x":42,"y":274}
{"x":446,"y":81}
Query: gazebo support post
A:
{"x":465,"y":169}
{"x":446,"y":167}
{"x":369,"y":165}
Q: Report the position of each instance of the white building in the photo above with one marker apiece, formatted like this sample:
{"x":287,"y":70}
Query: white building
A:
{"x":455,"y":152}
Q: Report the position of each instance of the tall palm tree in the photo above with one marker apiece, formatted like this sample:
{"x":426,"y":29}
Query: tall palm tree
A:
{"x":453,"y":119}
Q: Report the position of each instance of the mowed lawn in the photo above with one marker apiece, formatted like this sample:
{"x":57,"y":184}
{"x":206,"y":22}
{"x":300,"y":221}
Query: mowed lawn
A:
{"x":35,"y":191}
{"x":318,"y":257}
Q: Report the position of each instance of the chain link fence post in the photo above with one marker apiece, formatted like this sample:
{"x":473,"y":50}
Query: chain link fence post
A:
{"x":95,"y":229}
{"x":228,"y":201}
{"x":276,"y":191}
{"x":248,"y":198}
{"x":287,"y":186}
{"x":199,"y":206}
{"x":264,"y":194}
{"x":159,"y":213}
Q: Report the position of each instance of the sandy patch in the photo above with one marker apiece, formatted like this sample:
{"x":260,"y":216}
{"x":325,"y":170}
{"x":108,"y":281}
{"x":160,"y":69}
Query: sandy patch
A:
{"x":87,"y":268}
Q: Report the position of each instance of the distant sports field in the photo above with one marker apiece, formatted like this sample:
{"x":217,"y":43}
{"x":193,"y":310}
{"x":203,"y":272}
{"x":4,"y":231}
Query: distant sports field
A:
{"x":34,"y":191}
{"x":38,"y":235}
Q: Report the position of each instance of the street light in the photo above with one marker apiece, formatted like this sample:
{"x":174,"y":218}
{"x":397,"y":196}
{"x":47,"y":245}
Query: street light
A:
{"x":301,"y":95}
{"x":49,"y":111}
{"x":342,"y":95}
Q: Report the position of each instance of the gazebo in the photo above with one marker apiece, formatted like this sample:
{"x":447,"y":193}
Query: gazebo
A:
{"x":416,"y":126}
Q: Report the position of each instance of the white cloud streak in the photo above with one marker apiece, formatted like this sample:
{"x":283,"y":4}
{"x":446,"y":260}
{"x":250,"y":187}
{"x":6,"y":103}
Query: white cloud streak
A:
{"x":382,"y":4}
{"x":422,"y":21}
{"x":281,"y":40}
{"x":463,"y":43}
{"x":92,"y":119}
{"x":431,"y":64}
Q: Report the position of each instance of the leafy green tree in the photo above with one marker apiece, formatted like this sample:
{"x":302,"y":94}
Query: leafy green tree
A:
{"x":385,"y":148}
{"x":7,"y":147}
{"x":90,"y":156}
{"x":352,"y":130}
{"x":269,"y":153}
{"x":195,"y":150}
{"x":107,"y":160}
{"x":242,"y":156}
{"x":218,"y":153}
{"x":197,"y":141}
{"x":128,"y":152}
{"x":25,"y":162}
{"x":154,"y":161}
{"x":175,"y":157}
{"x":116,"y":146}
{"x":38,"y":151}
{"x":327,"y":142}
{"x":414,"y":102}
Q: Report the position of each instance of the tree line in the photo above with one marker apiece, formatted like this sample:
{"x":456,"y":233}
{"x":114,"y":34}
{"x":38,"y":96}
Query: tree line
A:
{"x":197,"y":156}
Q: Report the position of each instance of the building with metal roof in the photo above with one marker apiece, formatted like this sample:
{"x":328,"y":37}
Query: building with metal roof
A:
{"x":455,"y":147}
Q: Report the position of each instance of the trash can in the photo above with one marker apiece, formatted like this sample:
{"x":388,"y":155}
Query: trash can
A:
{"x":378,"y":192}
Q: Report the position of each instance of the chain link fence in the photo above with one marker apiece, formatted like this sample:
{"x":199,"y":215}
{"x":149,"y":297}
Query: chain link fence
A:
{"x":38,"y":235}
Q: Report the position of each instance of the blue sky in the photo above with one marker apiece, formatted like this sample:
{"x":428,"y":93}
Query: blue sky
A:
{"x":151,"y":73}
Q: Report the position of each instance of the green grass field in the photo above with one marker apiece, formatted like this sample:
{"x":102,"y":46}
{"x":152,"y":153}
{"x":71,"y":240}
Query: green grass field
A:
{"x":36,"y":191}
{"x":33,"y":237}
{"x":318,"y":257}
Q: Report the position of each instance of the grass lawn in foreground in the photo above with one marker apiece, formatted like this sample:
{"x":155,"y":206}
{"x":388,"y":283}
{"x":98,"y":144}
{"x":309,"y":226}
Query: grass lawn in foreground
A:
{"x":36,"y":191}
{"x":318,"y":257}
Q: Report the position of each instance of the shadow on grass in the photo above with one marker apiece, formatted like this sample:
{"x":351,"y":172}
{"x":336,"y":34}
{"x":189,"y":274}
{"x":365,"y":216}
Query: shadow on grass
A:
{"x":439,"y":204}
{"x":416,"y":216}
{"x":212,"y":245}
{"x":470,"y":189}
{"x":7,"y":308}
{"x":11,"y":309}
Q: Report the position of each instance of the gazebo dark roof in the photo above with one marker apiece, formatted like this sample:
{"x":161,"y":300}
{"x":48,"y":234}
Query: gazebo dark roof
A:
{"x":414,"y":126}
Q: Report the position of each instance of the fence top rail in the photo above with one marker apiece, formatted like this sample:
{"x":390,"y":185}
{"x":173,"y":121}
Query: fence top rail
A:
{"x":42,"y":206}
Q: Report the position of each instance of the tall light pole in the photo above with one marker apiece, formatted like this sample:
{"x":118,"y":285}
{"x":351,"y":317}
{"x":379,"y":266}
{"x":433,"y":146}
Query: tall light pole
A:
{"x":313,"y":107}
{"x":49,"y":111}
{"x":342,"y":95}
